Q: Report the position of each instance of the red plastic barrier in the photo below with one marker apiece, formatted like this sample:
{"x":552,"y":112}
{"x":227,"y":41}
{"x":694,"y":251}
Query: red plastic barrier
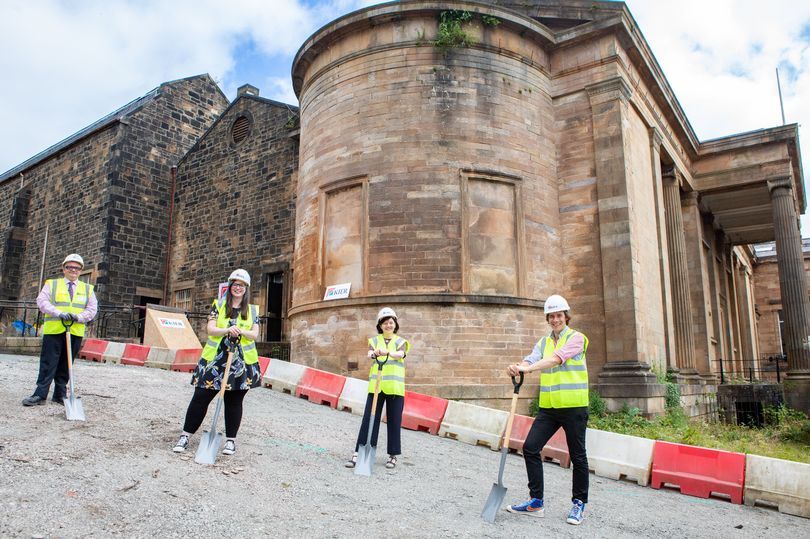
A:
{"x":423,"y":412}
{"x":186,"y":359}
{"x":264,"y":362}
{"x":556,"y":448}
{"x":93,"y":349}
{"x":699,"y":471}
{"x":320,"y":387}
{"x":135,"y":354}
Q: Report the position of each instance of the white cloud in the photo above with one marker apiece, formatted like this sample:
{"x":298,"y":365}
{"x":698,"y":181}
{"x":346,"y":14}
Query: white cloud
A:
{"x":74,"y":62}
{"x":720,"y":58}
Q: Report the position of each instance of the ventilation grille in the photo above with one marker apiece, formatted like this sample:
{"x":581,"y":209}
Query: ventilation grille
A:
{"x":240,"y":129}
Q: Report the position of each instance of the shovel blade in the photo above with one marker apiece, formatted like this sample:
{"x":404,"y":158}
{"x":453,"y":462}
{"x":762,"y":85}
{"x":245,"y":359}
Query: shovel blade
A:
{"x":365,"y":460}
{"x":73,"y":409}
{"x":209,"y":447}
{"x":494,"y":502}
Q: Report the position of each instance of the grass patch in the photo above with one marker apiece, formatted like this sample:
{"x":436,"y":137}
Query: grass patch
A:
{"x":786,"y":434}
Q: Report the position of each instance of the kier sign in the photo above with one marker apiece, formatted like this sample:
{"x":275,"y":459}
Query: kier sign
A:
{"x":172,"y":323}
{"x":337,"y":291}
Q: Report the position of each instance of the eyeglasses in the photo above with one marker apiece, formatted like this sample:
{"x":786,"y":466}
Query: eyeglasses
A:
{"x":73,"y":268}
{"x":238,"y":285}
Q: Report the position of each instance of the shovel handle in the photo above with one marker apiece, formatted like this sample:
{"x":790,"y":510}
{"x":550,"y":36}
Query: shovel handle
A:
{"x":517,"y":384}
{"x":508,"y":432}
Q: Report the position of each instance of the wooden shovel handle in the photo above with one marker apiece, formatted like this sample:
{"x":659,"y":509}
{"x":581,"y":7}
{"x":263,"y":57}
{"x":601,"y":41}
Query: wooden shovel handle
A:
{"x":508,"y":433}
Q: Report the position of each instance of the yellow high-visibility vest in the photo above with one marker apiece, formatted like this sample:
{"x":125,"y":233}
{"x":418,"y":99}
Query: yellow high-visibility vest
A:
{"x":566,"y":385}
{"x":250,"y":354}
{"x":393,"y":372}
{"x":60,"y":298}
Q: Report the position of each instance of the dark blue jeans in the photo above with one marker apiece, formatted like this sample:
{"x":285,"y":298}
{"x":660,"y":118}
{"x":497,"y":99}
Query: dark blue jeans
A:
{"x":53,"y":365}
{"x":573,"y":421}
{"x":394,"y":404}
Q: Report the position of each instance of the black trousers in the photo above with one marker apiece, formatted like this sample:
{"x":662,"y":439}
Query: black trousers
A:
{"x":53,"y":366}
{"x":198,"y":407}
{"x":574,"y":421}
{"x":394,"y":405}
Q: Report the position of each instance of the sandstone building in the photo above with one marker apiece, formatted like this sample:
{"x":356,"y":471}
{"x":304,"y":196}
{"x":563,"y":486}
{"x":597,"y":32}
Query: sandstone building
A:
{"x":104,"y":192}
{"x":541,"y":151}
{"x":462,"y":176}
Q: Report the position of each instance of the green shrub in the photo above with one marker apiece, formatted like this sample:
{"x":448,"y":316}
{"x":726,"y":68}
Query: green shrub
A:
{"x":451,"y":32}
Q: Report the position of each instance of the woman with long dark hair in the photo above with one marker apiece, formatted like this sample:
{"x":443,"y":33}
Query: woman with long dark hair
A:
{"x":232,"y":317}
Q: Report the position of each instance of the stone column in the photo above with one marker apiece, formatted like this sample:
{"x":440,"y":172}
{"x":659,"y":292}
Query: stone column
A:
{"x":793,"y":288}
{"x":625,"y":377}
{"x":679,"y":273}
{"x":663,"y":249}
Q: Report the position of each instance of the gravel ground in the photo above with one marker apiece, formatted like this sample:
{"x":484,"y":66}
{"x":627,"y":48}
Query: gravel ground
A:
{"x":115,"y":475}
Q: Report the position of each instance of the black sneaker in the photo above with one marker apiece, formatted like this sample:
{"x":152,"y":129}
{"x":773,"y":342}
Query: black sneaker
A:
{"x":34,"y":400}
{"x":59,"y":400}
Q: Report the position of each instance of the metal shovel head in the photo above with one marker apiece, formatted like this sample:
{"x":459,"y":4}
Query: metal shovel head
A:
{"x":365,"y":459}
{"x":494,"y":502}
{"x":209,"y":447}
{"x":73,"y":408}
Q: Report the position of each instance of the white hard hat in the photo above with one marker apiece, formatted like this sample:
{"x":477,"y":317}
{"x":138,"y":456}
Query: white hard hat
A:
{"x":555,"y":304}
{"x":241,"y":275}
{"x":73,"y":258}
{"x":385,"y":312}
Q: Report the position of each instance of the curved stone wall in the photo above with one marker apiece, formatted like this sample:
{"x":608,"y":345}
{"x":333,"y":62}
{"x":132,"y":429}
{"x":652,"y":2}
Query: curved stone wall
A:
{"x":427,"y":180}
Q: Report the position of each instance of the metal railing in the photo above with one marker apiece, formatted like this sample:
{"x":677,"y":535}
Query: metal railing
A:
{"x":768,"y":368}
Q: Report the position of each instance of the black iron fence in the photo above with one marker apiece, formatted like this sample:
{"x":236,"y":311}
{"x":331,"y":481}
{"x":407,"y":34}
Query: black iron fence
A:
{"x":768,"y":368}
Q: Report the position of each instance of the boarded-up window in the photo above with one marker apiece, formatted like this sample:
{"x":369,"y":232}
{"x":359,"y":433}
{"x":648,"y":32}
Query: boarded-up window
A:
{"x":343,"y":237}
{"x":182,"y":299}
{"x":491,"y":236}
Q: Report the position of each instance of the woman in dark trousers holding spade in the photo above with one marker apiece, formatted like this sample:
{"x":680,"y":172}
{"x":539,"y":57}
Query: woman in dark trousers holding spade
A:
{"x":389,"y":349}
{"x":231,"y":316}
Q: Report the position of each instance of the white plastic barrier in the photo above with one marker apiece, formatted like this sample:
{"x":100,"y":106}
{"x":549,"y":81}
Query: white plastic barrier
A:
{"x":614,"y":455}
{"x":783,"y":483}
{"x":473,"y":424}
{"x":283,"y":376}
{"x":160,"y":358}
{"x":353,"y":397}
{"x":113,"y":352}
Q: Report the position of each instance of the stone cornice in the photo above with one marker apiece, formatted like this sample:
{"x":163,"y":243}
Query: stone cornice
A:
{"x":609,"y":90}
{"x":779,"y":183}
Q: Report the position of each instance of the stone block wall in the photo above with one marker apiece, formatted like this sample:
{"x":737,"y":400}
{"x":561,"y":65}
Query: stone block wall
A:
{"x":235,"y":203}
{"x":137,"y":212}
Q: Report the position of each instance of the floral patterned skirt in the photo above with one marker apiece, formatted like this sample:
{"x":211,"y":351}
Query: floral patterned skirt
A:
{"x":208,"y":374}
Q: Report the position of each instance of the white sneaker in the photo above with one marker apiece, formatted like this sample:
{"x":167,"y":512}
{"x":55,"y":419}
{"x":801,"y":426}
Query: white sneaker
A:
{"x":230,"y":447}
{"x":181,"y":444}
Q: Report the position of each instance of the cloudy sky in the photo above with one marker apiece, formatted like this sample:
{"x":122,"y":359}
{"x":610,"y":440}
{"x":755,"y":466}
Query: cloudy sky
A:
{"x":67,"y":63}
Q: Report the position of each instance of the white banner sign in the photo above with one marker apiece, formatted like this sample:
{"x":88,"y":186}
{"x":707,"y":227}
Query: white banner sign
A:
{"x":172,"y":323}
{"x":337,"y":291}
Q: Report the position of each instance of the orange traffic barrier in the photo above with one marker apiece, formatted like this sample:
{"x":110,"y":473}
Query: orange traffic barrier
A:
{"x":698,"y":471}
{"x":186,"y":359}
{"x":556,"y":448}
{"x":320,"y":387}
{"x":93,"y":349}
{"x":423,"y":412}
{"x":264,"y":362}
{"x":135,"y":354}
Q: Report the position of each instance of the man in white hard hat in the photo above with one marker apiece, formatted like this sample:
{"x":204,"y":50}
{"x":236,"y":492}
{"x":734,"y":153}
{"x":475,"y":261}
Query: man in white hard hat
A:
{"x":563,"y":403}
{"x":63,"y":301}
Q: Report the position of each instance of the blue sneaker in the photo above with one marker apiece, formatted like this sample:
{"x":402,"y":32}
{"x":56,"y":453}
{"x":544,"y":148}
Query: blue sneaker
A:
{"x":533,"y":507}
{"x":575,"y":515}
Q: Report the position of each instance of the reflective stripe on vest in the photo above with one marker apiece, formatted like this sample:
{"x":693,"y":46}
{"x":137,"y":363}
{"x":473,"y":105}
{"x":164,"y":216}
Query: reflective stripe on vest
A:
{"x":564,"y":386}
{"x":60,"y":298}
{"x":393,"y":372}
{"x":249,"y":352}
